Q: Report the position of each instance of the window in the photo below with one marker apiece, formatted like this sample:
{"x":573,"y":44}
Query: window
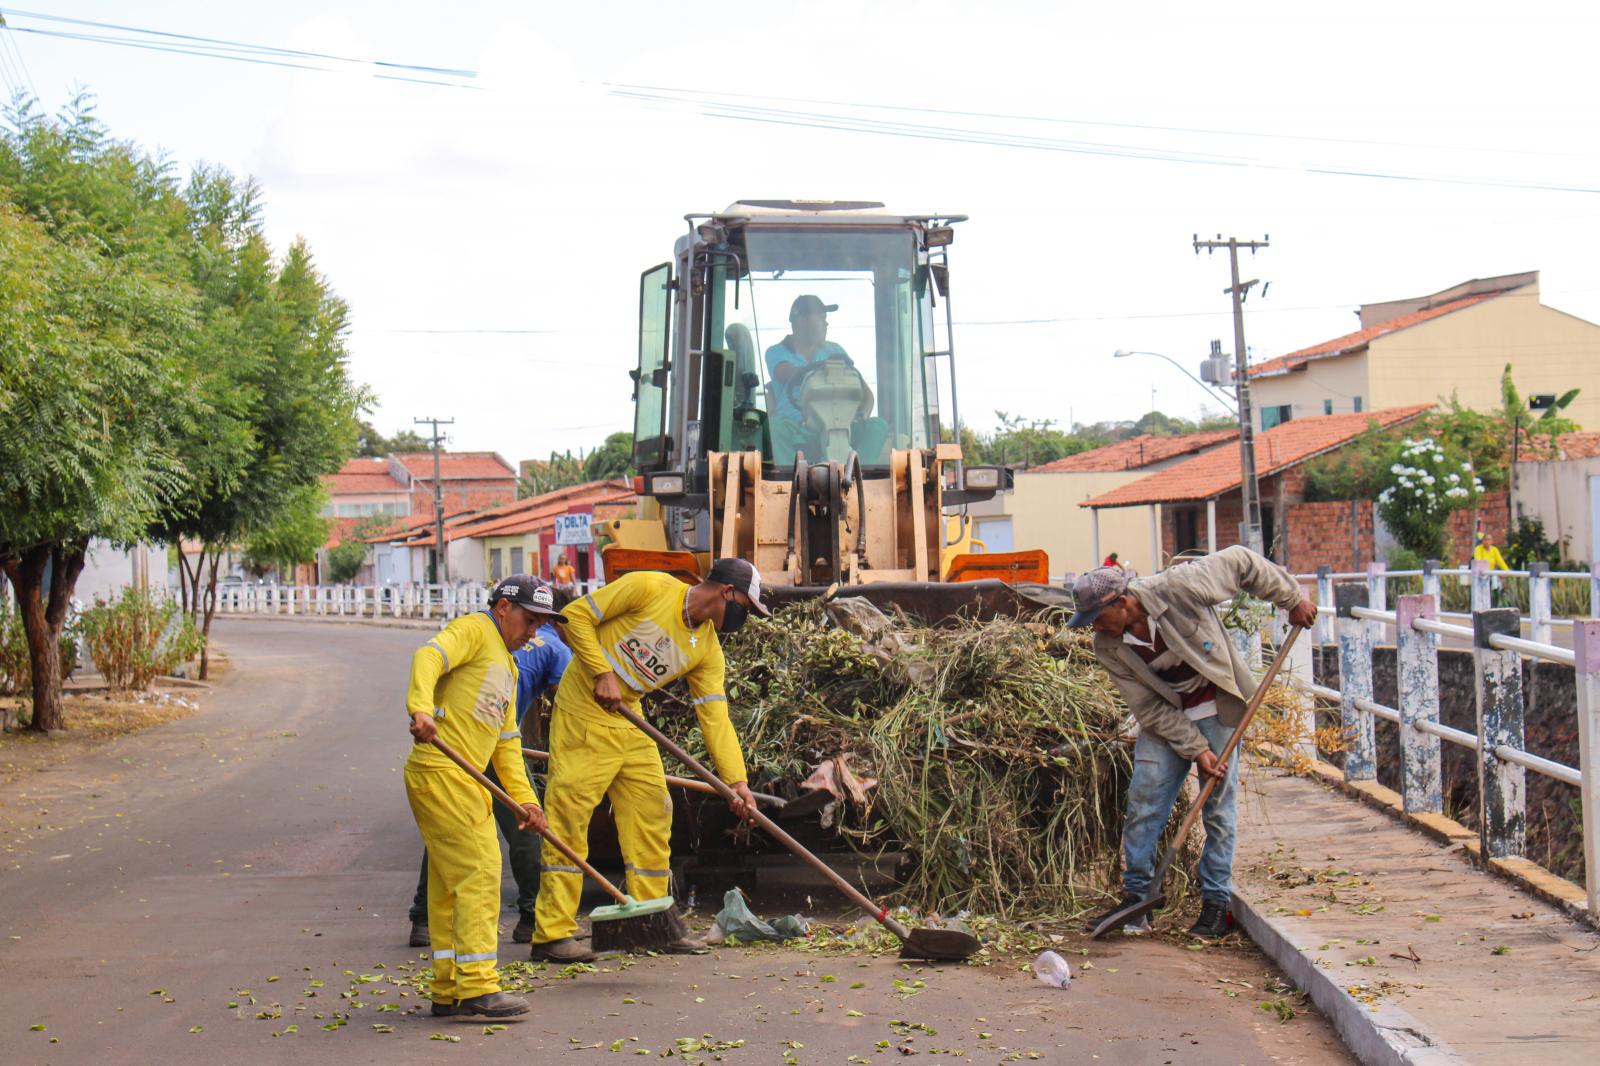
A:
{"x":1357,"y":407}
{"x":994,"y":532}
{"x":516,"y":560}
{"x":362,"y":510}
{"x":1327,"y":407}
{"x":495,"y":573}
{"x":1276,"y":415}
{"x":1186,"y":529}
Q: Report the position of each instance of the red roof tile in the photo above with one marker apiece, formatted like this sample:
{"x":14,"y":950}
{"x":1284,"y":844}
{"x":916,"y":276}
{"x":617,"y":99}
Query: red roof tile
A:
{"x":1216,"y":472}
{"x":1136,"y":452}
{"x":531,"y":514}
{"x":1584,"y":445}
{"x":364,"y":476}
{"x":1353,"y":342}
{"x":455,"y":466}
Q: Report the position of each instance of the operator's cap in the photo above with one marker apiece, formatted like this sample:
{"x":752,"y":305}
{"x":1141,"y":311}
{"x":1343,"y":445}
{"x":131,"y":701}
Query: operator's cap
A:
{"x":529,"y":592}
{"x":742,"y":576}
{"x":808,"y":305}
{"x":1094,"y":591}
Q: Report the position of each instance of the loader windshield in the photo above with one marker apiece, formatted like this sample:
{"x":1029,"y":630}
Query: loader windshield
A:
{"x":830,"y":314}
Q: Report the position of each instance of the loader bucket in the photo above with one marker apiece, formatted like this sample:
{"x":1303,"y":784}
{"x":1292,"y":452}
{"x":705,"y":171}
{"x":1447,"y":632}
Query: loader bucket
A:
{"x":1010,"y":567}
{"x":681,"y":565}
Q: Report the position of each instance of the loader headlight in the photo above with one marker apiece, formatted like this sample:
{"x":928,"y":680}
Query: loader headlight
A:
{"x":981,"y":477}
{"x":666,"y":485}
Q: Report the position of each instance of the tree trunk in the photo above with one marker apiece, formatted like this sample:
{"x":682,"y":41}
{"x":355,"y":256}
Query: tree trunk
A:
{"x":42,"y":620}
{"x":210,"y":609}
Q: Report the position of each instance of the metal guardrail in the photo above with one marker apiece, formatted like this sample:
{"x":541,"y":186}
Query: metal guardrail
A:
{"x":1502,"y":759}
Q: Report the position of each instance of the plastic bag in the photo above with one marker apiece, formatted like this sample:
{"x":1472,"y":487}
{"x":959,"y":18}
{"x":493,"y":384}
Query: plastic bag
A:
{"x":738,"y":920}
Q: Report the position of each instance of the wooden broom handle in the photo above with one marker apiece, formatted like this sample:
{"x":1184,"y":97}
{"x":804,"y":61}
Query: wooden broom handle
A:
{"x":505,"y":798}
{"x":1228,"y":748}
{"x":676,"y":782}
{"x":855,"y":895}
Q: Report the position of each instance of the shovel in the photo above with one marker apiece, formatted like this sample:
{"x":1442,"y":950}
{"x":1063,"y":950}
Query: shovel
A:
{"x":952,"y":943}
{"x":777,"y":803}
{"x":1117,"y":919}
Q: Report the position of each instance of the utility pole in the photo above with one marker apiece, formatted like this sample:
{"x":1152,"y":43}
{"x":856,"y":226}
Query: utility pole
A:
{"x":441,"y":557}
{"x":1250,"y":529}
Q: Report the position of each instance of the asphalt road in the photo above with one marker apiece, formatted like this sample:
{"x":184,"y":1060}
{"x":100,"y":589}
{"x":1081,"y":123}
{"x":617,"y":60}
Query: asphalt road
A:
{"x":223,"y":888}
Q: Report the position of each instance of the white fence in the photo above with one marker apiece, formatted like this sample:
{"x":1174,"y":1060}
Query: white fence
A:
{"x":359,"y":601}
{"x":1501,"y":756}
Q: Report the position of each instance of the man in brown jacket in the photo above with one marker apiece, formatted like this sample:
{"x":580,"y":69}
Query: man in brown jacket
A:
{"x":1162,"y":642}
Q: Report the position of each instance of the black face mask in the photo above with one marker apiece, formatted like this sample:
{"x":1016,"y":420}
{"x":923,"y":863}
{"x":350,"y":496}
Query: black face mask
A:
{"x":733,"y":615}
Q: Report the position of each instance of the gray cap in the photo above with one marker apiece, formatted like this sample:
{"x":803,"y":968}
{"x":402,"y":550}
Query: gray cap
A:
{"x":809,"y":305}
{"x":1095,"y":590}
{"x":529,"y":592}
{"x":742,"y":576}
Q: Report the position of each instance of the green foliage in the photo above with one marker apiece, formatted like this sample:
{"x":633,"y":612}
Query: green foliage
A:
{"x":293,"y":535}
{"x":16,"y":667}
{"x":1357,"y":471}
{"x":1427,"y":479}
{"x":1016,"y":441}
{"x":372,"y":444}
{"x":613,"y":459}
{"x":1517,"y":414}
{"x":346,"y":558}
{"x":1528,"y":544}
{"x":137,"y":638}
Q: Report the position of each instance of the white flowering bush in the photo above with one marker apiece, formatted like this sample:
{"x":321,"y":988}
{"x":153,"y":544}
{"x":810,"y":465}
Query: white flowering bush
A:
{"x":1426,"y":481}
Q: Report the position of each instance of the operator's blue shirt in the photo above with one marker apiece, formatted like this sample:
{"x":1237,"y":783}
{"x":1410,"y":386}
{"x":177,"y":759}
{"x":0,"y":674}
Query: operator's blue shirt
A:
{"x":540,"y":664}
{"x":781,"y":353}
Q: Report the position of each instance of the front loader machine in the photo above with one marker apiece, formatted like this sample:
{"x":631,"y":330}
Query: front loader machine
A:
{"x":795,"y":407}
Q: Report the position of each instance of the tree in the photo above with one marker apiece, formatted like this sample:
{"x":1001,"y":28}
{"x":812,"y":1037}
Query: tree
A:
{"x":346,"y":558}
{"x":613,"y":459}
{"x":1020,"y":443}
{"x":283,"y":404}
{"x":1426,"y":480}
{"x":292,"y":536}
{"x":372,"y":444}
{"x":96,"y":366}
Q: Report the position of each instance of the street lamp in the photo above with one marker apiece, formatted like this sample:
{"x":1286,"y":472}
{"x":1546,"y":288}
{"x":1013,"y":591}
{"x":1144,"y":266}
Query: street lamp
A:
{"x":1222,"y":393}
{"x":1238,"y":399}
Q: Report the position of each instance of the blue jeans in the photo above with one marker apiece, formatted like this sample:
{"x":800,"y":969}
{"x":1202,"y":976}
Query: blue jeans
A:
{"x":1158,"y":774}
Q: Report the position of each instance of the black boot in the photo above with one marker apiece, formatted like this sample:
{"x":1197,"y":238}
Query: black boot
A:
{"x":419,"y":933}
{"x":1136,"y":927}
{"x":493,"y":1005}
{"x":523,"y":933}
{"x":1214,"y":921}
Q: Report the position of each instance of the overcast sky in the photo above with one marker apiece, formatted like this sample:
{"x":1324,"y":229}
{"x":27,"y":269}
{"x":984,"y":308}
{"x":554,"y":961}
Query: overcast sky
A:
{"x":1390,"y":150}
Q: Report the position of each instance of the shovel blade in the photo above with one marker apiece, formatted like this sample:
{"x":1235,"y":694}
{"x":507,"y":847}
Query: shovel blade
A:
{"x":1117,"y":919}
{"x":951,"y":943}
{"x":810,"y":801}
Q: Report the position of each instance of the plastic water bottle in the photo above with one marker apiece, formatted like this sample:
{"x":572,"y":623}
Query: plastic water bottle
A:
{"x":1052,"y":969}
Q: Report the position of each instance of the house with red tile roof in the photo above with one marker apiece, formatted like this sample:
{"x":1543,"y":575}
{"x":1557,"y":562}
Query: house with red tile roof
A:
{"x":1041,"y":509}
{"x":1196,"y":503}
{"x":1427,"y":348}
{"x":468,"y":479}
{"x":1559,"y":484}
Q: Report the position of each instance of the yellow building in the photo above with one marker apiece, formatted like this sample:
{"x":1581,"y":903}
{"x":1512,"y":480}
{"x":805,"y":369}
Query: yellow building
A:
{"x":1421,"y":350}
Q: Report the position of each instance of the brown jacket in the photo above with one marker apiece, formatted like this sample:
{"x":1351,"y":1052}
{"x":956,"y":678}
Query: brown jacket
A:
{"x":1182,"y":604}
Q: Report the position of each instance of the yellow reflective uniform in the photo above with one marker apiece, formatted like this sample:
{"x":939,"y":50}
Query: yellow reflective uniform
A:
{"x":467,"y":679}
{"x":634,"y":628}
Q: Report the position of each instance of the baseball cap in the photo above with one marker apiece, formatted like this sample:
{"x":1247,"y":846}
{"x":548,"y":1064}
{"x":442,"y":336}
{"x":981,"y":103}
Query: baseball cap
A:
{"x":742,"y":576}
{"x":808,"y":304}
{"x":527,"y":591}
{"x":1094,"y":590}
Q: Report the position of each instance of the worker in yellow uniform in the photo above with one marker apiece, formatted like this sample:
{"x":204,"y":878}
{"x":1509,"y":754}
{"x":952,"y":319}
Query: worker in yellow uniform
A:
{"x":633,"y":636}
{"x":463,"y":688}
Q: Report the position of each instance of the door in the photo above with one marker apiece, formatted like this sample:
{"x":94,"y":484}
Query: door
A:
{"x":650,"y":379}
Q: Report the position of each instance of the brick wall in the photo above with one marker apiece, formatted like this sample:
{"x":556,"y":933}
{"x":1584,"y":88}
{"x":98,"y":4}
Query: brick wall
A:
{"x":1327,"y":534}
{"x":1492,"y":510}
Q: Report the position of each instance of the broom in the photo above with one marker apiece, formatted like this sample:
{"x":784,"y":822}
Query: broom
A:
{"x":627,"y":925}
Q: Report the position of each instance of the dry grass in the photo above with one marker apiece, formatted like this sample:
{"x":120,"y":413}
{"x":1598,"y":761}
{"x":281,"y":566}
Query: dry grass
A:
{"x":92,"y":717}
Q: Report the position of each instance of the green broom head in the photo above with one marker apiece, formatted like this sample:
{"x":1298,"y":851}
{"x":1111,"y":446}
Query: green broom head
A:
{"x":634,"y":908}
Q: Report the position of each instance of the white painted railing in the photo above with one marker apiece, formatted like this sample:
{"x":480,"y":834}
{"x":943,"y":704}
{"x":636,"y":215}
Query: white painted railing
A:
{"x":356,"y":601}
{"x":1502,"y":759}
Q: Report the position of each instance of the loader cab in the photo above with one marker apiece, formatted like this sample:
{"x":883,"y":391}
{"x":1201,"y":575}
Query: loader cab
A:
{"x":794,"y":329}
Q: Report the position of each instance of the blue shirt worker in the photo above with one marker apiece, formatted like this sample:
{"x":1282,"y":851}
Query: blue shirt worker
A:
{"x":462,"y":690}
{"x":639,"y":633}
{"x":1162,"y":643}
{"x":807,"y":345}
{"x":540,"y":664}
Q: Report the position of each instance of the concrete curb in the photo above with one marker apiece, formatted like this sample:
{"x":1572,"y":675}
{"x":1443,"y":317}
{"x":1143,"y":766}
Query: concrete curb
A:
{"x":1383,"y":1035}
{"x":419,"y":624}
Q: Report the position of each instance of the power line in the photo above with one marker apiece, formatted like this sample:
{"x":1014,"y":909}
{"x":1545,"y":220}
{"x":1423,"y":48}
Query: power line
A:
{"x":959,"y":135}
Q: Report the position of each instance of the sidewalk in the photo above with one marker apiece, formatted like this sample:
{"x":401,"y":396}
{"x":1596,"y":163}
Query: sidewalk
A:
{"x":429,"y":624}
{"x":1415,"y":954}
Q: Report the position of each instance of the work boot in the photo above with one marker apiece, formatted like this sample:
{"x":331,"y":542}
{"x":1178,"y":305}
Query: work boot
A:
{"x":1214,"y":921}
{"x":524,"y":930}
{"x":563,"y":951}
{"x":1137,"y":927}
{"x":419,"y":933}
{"x":493,"y":1005}
{"x":687,"y":944}
{"x":444,"y":1010}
